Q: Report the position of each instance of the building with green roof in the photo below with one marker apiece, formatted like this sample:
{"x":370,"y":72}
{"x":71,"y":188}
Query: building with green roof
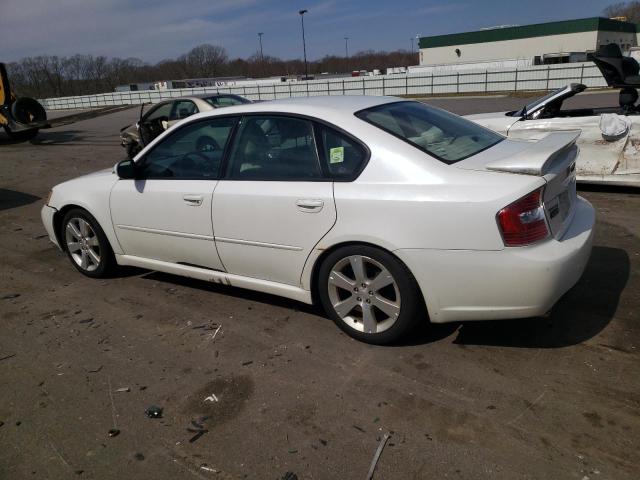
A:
{"x":543,"y":43}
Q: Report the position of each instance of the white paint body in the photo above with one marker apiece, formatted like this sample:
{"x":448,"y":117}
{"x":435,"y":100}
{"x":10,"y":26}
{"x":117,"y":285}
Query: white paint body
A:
{"x":600,"y":161}
{"x":439,"y":219}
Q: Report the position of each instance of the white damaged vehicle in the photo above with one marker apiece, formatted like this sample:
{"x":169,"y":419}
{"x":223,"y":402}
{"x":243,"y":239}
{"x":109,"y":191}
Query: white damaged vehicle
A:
{"x":610,"y":137}
{"x":384,"y":211}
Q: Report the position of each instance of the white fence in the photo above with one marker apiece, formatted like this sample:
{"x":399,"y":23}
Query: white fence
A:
{"x":544,"y":77}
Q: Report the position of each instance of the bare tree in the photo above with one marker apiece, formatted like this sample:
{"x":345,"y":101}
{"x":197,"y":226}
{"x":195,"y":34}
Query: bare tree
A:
{"x":49,"y":76}
{"x":205,"y":60}
{"x":629,"y":10}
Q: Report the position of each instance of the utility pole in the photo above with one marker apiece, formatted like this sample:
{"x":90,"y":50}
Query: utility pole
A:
{"x":346,"y":50}
{"x":261,"y":54}
{"x":304,"y":45}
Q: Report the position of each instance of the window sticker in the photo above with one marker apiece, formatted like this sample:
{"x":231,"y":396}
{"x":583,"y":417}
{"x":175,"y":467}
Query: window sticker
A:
{"x":336,"y":155}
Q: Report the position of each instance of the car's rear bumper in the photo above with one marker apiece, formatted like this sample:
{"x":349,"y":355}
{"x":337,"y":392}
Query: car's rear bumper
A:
{"x":47,"y":213}
{"x":515,"y":282}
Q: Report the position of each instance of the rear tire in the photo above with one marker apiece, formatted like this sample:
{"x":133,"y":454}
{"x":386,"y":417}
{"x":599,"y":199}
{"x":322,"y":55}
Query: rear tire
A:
{"x":370,"y":294}
{"x":86,"y":244}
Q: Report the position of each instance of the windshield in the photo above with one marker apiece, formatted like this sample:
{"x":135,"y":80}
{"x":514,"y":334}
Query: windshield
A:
{"x":439,"y":133}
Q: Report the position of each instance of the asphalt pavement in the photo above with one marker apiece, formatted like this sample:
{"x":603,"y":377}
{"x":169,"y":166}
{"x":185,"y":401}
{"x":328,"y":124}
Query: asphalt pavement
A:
{"x":542,"y":398}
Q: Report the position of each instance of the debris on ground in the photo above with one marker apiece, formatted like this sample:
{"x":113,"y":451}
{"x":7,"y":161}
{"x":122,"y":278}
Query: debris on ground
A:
{"x":376,"y":457}
{"x":213,"y":335}
{"x":249,"y":362}
{"x":86,"y":320}
{"x":10,"y":296}
{"x":114,"y":432}
{"x":95,"y":370}
{"x":139,"y":457}
{"x":154,"y":411}
{"x":289,"y":476}
{"x":206,"y":468}
{"x":7,"y":357}
{"x":198,"y":429}
{"x":211,"y":398}
{"x":123,"y":389}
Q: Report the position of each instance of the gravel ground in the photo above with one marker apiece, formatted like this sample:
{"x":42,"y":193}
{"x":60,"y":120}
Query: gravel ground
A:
{"x":541,"y":398}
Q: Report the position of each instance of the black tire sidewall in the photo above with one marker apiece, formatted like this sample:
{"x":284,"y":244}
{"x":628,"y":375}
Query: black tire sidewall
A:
{"x":412,"y":306}
{"x":107,"y":260}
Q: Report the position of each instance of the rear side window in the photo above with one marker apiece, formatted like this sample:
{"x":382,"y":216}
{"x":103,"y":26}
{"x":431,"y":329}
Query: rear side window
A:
{"x":274,"y":148}
{"x":441,"y":134}
{"x":343,"y":157}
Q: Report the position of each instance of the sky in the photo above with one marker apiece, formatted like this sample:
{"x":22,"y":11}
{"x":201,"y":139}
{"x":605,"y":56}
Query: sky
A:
{"x":153,"y":30}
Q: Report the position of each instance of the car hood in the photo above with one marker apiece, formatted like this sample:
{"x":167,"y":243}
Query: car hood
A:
{"x":498,"y":122}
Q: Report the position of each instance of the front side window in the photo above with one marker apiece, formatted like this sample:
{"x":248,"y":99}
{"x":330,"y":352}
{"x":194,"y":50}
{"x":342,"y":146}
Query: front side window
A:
{"x":183,"y":109}
{"x":192,"y":152}
{"x":161,"y":112}
{"x":441,"y":134}
{"x":274,"y":148}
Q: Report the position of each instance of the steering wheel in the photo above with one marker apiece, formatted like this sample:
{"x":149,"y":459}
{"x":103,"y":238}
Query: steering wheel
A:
{"x":207,"y":144}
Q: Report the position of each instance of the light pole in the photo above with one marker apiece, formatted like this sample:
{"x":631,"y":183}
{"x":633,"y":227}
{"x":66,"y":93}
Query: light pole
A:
{"x":411,"y":39}
{"x":346,"y":50}
{"x":261,"y":54}
{"x":304,"y":45}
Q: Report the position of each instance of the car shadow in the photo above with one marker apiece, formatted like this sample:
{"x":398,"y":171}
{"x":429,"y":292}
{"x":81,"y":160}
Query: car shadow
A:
{"x":604,"y":188}
{"x":581,"y":313}
{"x":13,"y":199}
{"x":235,"y":292}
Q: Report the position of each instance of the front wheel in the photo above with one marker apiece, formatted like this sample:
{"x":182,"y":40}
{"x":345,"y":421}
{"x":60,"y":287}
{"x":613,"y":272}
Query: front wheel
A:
{"x":86,"y":244}
{"x":369,"y":294}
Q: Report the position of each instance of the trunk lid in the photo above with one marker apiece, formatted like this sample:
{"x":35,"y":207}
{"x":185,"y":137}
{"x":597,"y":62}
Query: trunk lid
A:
{"x":553,"y":158}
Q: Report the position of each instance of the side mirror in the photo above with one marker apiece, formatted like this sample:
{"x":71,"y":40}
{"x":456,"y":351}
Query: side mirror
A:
{"x":126,"y":169}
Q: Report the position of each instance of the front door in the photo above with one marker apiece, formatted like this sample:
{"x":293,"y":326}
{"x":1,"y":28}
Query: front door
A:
{"x":154,"y":122}
{"x":274,"y":204}
{"x":165,"y":214}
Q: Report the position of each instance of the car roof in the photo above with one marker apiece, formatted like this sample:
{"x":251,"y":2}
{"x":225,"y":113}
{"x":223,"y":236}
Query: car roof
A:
{"x":332,"y":108}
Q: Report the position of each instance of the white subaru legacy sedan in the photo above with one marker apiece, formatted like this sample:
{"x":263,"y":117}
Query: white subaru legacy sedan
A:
{"x":386,"y":212}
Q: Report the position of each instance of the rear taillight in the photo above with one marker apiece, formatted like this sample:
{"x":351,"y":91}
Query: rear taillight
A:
{"x":523,"y":222}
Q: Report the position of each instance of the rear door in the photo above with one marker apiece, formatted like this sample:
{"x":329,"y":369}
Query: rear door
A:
{"x":275,"y":202}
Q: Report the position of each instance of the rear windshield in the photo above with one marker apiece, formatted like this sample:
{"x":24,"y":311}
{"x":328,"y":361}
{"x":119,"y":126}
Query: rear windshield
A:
{"x":439,"y":133}
{"x":225,"y":100}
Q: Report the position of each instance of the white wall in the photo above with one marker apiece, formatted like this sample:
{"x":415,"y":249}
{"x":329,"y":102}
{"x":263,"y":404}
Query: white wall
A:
{"x":525,"y":48}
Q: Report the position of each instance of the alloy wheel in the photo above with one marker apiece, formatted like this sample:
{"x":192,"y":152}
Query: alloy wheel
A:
{"x":83,"y":244}
{"x":364,"y":294}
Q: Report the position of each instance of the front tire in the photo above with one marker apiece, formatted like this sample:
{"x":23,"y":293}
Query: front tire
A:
{"x":86,"y":244}
{"x":369,"y":294}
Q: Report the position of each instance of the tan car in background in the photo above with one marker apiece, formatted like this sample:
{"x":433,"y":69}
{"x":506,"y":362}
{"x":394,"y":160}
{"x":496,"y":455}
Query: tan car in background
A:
{"x":166,"y":113}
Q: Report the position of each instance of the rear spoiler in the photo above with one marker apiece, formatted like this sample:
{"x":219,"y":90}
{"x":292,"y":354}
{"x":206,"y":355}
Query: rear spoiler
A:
{"x":537,"y":158}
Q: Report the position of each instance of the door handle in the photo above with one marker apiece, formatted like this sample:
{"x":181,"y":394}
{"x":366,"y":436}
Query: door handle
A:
{"x":310,"y":205}
{"x":193,"y":200}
